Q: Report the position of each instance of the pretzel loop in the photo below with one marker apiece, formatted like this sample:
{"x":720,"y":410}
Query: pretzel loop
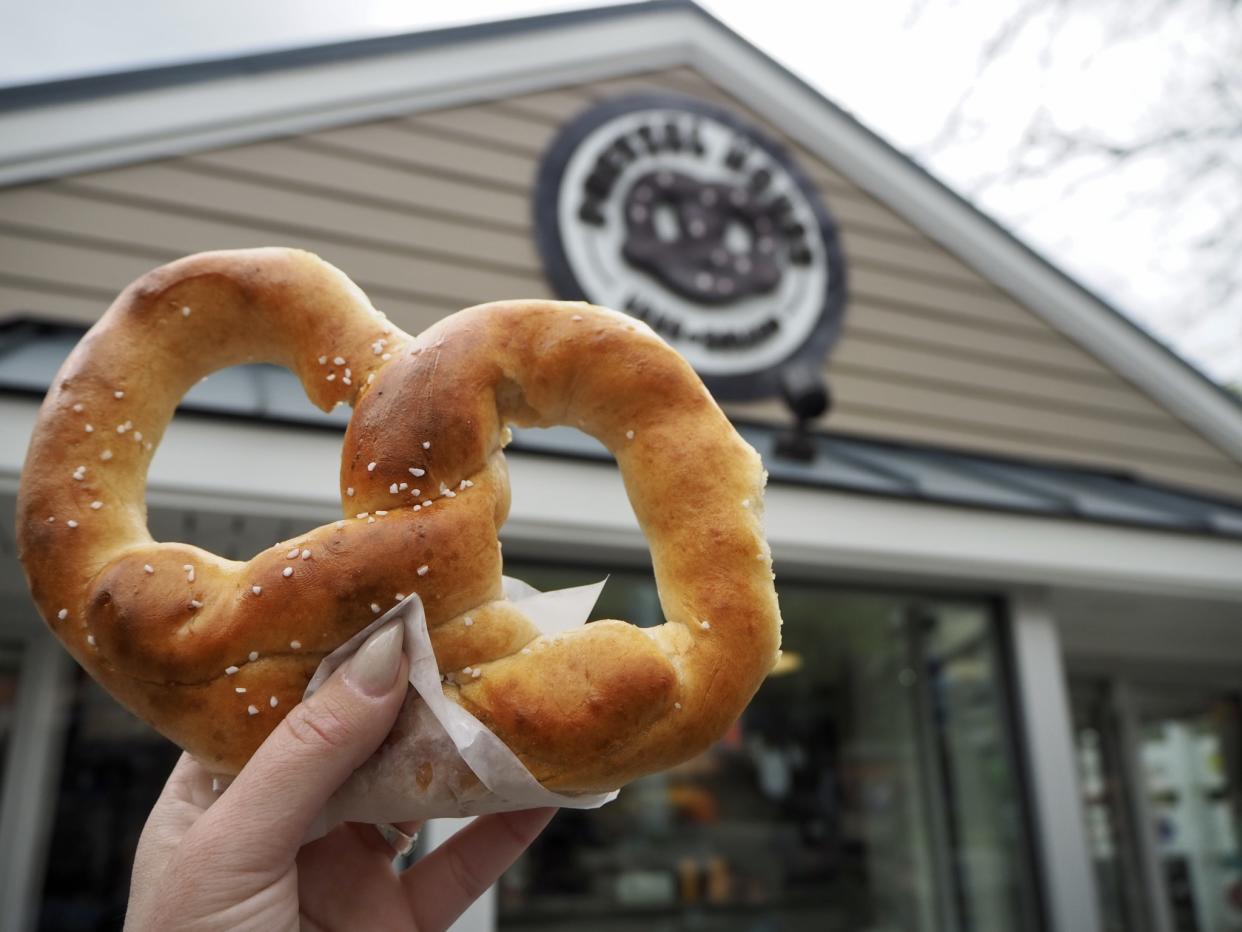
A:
{"x":195,"y":644}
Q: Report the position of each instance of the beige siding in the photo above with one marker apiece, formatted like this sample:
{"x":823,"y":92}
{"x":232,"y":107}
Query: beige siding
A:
{"x":431,"y":211}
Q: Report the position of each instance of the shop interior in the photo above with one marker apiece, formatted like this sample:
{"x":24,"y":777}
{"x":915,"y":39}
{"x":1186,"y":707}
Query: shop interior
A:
{"x":872,"y":785}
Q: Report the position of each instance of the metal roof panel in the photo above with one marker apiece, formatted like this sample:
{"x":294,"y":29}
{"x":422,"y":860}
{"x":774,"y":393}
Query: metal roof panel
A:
{"x":32,"y":352}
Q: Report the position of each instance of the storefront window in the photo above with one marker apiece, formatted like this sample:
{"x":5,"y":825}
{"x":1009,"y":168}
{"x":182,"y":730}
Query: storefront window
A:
{"x":1189,"y":757}
{"x":869,"y":786}
{"x":114,"y":765}
{"x":10,"y":664}
{"x":1168,"y":755}
{"x":112,"y":772}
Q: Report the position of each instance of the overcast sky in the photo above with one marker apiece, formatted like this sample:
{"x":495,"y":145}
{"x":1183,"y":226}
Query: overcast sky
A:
{"x":900,"y":66}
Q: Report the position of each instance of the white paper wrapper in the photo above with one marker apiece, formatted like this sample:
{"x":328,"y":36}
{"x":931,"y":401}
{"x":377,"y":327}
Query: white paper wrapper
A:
{"x":440,"y":760}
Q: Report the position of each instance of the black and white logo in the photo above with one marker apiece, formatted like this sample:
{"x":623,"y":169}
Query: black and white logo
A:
{"x":681,"y":214}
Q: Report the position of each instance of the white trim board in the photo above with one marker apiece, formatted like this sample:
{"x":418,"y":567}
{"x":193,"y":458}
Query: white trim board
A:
{"x":101,"y":132}
{"x":565,"y":503}
{"x":79,"y":136}
{"x":1055,"y":791}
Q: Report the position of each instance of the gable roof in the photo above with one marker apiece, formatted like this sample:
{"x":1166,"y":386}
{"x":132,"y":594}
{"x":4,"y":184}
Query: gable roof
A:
{"x":80,"y":124}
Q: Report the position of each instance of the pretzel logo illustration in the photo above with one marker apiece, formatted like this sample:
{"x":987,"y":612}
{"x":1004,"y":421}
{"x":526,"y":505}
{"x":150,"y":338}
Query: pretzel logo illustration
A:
{"x":703,"y":225}
{"x":716,"y":243}
{"x":213,"y":652}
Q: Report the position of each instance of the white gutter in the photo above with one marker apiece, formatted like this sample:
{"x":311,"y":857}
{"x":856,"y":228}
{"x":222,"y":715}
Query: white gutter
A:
{"x":85,"y":135}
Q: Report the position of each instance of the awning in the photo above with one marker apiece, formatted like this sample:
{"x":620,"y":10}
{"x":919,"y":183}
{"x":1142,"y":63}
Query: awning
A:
{"x":32,"y":351}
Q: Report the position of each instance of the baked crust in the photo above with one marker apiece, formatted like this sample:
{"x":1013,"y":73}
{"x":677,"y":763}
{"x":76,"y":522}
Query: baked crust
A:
{"x":171,"y":630}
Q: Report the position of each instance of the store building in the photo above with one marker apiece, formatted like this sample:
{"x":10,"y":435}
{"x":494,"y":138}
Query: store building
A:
{"x":1008,"y":556}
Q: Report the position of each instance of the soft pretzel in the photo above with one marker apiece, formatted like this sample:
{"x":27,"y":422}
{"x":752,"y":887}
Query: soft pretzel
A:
{"x":194,"y":643}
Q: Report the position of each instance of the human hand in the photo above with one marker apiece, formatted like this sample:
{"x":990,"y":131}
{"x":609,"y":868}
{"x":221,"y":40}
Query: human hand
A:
{"x":238,"y":862}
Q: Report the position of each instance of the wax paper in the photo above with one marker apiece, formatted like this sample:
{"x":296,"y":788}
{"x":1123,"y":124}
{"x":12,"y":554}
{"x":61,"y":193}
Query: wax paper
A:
{"x":440,"y":760}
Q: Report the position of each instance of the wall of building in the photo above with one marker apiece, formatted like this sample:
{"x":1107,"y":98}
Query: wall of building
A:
{"x":431,"y":212}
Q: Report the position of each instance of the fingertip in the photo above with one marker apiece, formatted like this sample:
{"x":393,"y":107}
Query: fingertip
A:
{"x":412,"y":827}
{"x":188,"y":780}
{"x":535,"y":819}
{"x":440,"y":887}
{"x":376,"y":668}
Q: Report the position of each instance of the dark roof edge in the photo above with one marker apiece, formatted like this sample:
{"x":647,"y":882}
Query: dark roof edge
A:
{"x":21,"y":328}
{"x":108,"y":83}
{"x":780,"y":477}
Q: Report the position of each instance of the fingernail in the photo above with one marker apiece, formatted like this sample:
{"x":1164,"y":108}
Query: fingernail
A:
{"x":373,"y":670}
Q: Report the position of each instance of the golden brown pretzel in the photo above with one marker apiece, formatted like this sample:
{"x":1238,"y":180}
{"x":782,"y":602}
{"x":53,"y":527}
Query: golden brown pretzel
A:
{"x":191,"y":642}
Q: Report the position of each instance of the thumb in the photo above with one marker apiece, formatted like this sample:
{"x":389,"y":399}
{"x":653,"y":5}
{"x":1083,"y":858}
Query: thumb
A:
{"x":266,"y":812}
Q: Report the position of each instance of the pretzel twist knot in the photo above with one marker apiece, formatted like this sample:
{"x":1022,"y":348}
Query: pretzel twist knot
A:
{"x":195,"y":644}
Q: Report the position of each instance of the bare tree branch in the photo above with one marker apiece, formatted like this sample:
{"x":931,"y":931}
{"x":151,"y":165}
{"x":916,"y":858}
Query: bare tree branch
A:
{"x":1181,"y":160}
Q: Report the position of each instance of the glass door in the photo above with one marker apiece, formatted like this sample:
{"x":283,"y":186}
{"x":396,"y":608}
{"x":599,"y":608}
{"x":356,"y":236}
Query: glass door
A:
{"x":972,"y":768}
{"x":1191,"y":767}
{"x":1161,"y":772}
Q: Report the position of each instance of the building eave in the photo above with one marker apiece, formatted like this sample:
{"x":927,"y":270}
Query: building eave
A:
{"x":76,"y":127}
{"x":73,"y":127}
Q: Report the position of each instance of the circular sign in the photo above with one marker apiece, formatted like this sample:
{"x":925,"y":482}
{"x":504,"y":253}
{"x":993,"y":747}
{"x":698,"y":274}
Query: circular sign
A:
{"x":679,"y":213}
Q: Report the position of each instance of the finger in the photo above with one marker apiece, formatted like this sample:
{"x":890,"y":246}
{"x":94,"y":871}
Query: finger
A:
{"x":443,"y":884}
{"x":265,"y":814}
{"x":186,"y":793}
{"x":188,"y":783}
{"x":388,"y":839}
